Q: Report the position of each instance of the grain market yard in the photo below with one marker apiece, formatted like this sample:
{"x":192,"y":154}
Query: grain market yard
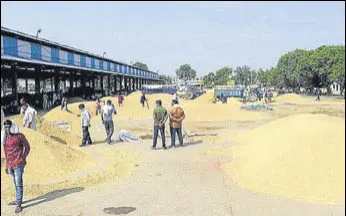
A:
{"x":187,"y":181}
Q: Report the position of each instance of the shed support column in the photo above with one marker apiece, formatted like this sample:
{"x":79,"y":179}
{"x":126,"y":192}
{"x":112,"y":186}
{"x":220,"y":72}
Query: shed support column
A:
{"x":56,"y":81}
{"x":26,"y":86}
{"x":115,"y":84}
{"x":14,"y":81}
{"x":109,"y":85}
{"x":37,"y":79}
{"x":72,"y":79}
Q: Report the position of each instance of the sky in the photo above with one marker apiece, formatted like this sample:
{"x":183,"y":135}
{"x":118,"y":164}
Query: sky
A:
{"x":165,"y":35}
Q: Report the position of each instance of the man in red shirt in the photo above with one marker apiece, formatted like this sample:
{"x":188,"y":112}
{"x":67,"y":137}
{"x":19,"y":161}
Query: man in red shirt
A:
{"x":16,"y":149}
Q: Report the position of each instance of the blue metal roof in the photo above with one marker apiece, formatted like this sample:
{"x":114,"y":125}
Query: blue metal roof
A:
{"x":78,"y":51}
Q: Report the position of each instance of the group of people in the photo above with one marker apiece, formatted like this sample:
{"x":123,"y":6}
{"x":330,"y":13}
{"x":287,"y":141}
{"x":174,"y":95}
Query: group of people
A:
{"x":17,"y":148}
{"x":52,"y":99}
{"x":106,"y":110}
{"x":176,"y":116}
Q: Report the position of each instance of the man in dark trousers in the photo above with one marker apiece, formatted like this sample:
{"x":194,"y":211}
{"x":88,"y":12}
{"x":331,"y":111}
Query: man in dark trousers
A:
{"x":176,"y":117}
{"x":160,"y":116}
{"x":16,"y":149}
{"x":85,"y":123}
{"x":106,"y":115}
{"x":143,"y":99}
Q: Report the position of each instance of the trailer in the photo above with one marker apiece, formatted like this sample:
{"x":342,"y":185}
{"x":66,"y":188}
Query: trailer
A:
{"x":159,"y":89}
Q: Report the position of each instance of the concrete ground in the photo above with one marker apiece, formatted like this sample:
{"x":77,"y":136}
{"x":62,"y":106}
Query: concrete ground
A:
{"x":177,"y":182}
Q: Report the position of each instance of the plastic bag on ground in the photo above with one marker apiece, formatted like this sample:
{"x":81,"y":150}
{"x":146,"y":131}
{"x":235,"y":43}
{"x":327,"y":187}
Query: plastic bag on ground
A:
{"x":127,"y":136}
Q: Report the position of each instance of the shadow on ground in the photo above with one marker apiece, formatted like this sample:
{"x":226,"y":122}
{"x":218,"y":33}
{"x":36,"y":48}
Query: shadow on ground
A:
{"x":51,"y":196}
{"x":118,"y":210}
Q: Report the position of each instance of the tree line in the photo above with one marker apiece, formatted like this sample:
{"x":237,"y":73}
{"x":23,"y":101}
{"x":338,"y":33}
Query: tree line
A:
{"x":307,"y":69}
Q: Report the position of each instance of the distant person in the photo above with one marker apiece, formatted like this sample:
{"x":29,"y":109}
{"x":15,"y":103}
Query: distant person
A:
{"x":143,"y":99}
{"x":223,"y":98}
{"x":30,"y":114}
{"x":16,"y":149}
{"x":175,"y":97}
{"x":160,"y":116}
{"x":64,"y":103}
{"x":176,"y":117}
{"x":55,"y":100}
{"x":120,"y":100}
{"x":107,"y":119}
{"x":85,"y":123}
{"x":21,"y":103}
{"x":318,"y":95}
{"x":98,"y":106}
{"x":45,"y":101}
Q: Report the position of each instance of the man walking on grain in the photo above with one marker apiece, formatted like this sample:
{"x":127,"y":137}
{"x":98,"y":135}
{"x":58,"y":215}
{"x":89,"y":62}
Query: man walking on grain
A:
{"x":85,"y":122}
{"x":106,"y":115}
{"x":16,"y":149}
{"x":176,"y":117}
{"x":160,"y":116}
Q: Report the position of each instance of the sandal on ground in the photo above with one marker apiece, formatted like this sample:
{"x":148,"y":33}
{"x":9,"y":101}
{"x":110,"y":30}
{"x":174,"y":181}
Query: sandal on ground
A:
{"x":18,"y":209}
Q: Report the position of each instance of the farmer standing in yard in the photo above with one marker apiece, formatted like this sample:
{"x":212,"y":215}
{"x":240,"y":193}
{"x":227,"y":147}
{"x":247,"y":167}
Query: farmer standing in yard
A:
{"x":160,"y":116}
{"x":143,"y":99}
{"x":120,"y":100}
{"x":29,"y":120}
{"x":176,"y":117}
{"x":16,"y":149}
{"x":85,"y":122}
{"x":98,"y":106}
{"x":106,"y":115}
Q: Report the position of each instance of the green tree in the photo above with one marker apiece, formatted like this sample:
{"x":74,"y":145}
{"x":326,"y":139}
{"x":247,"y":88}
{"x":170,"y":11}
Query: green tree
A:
{"x":141,"y":65}
{"x":244,"y":75}
{"x":185,"y":72}
{"x":167,"y":79}
{"x":289,"y":68}
{"x":209,"y":79}
{"x":222,"y":76}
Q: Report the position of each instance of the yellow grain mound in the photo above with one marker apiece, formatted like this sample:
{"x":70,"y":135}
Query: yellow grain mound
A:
{"x":208,"y":97}
{"x":300,"y":156}
{"x":234,"y":101}
{"x":290,"y":98}
{"x":60,"y":115}
{"x":49,"y":160}
{"x":47,"y":127}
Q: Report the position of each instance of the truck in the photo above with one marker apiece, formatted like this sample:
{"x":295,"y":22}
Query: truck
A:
{"x":227,"y":91}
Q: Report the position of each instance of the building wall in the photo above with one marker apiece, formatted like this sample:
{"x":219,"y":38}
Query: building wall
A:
{"x":22,"y":48}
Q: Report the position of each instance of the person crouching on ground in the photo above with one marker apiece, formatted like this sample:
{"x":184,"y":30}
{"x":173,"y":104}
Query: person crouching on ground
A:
{"x":160,"y":116}
{"x":106,"y":115}
{"x":85,"y":122}
{"x":16,"y":149}
{"x":29,"y":120}
{"x":176,"y":117}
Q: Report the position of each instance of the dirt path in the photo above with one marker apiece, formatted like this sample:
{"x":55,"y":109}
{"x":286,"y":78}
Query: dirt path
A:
{"x":180,"y":182}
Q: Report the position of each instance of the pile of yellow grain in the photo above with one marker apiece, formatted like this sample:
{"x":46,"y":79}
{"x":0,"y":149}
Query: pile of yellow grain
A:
{"x":49,"y":160}
{"x":306,"y":100}
{"x":300,"y":156}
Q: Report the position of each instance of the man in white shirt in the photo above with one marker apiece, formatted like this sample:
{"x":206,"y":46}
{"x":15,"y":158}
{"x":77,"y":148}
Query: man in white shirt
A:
{"x":29,"y":120}
{"x":106,"y":115}
{"x":85,"y":123}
